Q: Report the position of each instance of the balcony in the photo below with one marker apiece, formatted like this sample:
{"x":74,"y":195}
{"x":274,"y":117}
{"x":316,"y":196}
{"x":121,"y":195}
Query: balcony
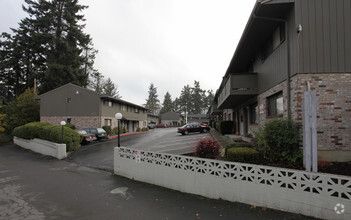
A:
{"x":236,"y":89}
{"x":214,"y":109}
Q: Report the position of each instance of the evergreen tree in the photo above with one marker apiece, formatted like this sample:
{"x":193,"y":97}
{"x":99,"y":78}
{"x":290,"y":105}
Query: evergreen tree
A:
{"x":96,"y":81}
{"x":22,"y":110}
{"x":49,"y":46}
{"x":110,"y":89}
{"x":66,"y":59}
{"x":152,"y":102}
{"x":185,"y":102}
{"x":197,"y":98}
{"x":208,"y":100}
{"x":176,"y":105}
{"x":167,"y":105}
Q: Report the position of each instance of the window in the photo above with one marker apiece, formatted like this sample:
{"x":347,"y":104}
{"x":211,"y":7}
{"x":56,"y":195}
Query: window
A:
{"x":124,"y":108}
{"x":69,"y":100}
{"x":253,"y":113}
{"x":108,"y":103}
{"x":275,"y":104}
{"x":276,"y":39}
{"x":107,"y":122}
{"x":136,"y":110}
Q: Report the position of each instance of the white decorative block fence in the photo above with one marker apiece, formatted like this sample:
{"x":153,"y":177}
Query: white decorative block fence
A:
{"x":312,"y":194}
{"x":42,"y":147}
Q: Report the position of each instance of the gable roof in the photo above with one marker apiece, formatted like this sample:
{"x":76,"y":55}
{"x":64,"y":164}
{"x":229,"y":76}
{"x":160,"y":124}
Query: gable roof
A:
{"x":101,"y":96}
{"x":257,"y":31}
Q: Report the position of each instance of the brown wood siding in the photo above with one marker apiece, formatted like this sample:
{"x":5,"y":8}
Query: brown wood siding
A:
{"x":54,"y":103}
{"x":324,"y":43}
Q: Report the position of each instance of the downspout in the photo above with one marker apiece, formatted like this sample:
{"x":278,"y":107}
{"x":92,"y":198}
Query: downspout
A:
{"x":288,"y":57}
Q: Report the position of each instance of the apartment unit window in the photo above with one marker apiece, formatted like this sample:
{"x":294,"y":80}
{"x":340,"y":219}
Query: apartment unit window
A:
{"x":136,"y":110}
{"x":277,"y":38}
{"x":69,"y":100}
{"x":108,"y":103}
{"x":275,"y":104}
{"x":107,"y":122}
{"x":253,"y":113}
{"x":124,"y":108}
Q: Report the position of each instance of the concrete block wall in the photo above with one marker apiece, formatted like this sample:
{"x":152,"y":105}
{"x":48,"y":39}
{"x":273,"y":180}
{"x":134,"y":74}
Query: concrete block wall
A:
{"x":312,"y":194}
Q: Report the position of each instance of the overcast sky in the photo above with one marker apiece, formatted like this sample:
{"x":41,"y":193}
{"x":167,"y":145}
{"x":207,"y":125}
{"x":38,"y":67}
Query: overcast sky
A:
{"x":169,"y":43}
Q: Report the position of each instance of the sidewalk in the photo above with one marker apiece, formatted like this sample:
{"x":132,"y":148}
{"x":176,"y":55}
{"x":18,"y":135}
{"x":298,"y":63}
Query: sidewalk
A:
{"x":33,"y":186}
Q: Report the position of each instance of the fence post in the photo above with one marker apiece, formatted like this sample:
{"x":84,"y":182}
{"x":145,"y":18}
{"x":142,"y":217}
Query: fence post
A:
{"x":310,"y":158}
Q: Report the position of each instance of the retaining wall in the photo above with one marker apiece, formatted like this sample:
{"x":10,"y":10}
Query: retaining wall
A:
{"x":312,"y":194}
{"x":43,"y":147}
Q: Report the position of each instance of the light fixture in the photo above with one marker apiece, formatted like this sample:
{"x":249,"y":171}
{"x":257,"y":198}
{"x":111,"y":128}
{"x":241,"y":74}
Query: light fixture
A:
{"x":118,"y":116}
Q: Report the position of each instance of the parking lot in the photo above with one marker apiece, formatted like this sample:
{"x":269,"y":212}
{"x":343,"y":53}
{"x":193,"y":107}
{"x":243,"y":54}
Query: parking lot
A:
{"x":167,"y":140}
{"x":99,"y":154}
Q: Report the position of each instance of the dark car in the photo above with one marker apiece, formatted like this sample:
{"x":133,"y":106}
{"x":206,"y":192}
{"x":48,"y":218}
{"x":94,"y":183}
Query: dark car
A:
{"x":100,"y":133}
{"x":162,"y":126}
{"x":151,"y":126}
{"x":190,"y":128}
{"x":86,"y":138}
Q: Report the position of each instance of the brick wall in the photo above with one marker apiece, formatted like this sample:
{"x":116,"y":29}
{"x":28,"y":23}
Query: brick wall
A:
{"x":78,"y":121}
{"x":333,"y":107}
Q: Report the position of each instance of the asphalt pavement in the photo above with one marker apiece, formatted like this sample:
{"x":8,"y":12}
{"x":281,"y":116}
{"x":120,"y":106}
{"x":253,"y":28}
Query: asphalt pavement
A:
{"x":99,"y":154}
{"x":33,"y":186}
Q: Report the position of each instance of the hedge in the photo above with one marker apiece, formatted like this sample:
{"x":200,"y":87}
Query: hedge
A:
{"x":225,"y":127}
{"x":108,"y":130}
{"x":49,"y":132}
{"x":237,"y":144}
{"x":243,"y":155}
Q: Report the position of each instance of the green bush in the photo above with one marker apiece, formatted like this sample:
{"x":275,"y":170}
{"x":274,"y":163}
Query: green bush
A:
{"x":49,"y":132}
{"x":206,"y":148}
{"x":145,"y":129}
{"x":243,"y":155}
{"x":237,"y":144}
{"x":225,"y":127}
{"x":121,"y":130}
{"x":217,"y":125}
{"x":278,"y":141}
{"x":108,"y":130}
{"x":138,"y":130}
{"x":71,"y":126}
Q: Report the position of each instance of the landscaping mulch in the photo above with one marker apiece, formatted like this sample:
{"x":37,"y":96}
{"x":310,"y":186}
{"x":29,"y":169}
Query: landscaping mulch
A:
{"x":339,"y":168}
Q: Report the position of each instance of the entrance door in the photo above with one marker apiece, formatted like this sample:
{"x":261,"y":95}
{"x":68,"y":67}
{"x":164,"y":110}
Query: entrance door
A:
{"x":241,"y":121}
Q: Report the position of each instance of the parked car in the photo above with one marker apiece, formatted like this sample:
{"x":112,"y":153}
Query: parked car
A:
{"x":151,"y":126}
{"x":100,"y":133}
{"x":86,"y":138}
{"x":162,"y":126}
{"x":194,"y":127}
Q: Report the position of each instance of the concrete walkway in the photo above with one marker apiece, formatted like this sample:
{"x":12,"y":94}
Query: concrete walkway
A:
{"x":33,"y":186}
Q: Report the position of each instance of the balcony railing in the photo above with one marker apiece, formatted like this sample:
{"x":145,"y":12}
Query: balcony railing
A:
{"x":237,"y":89}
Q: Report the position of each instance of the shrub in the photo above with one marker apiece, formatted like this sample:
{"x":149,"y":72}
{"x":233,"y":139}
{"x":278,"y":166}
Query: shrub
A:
{"x":71,"y":126}
{"x":49,"y":132}
{"x":225,"y":127}
{"x":121,"y":130}
{"x":206,"y":148}
{"x":243,"y":155}
{"x":217,"y":125}
{"x":145,"y":129}
{"x":108,"y":130}
{"x":138,"y":130}
{"x":278,"y":141}
{"x":237,"y":144}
